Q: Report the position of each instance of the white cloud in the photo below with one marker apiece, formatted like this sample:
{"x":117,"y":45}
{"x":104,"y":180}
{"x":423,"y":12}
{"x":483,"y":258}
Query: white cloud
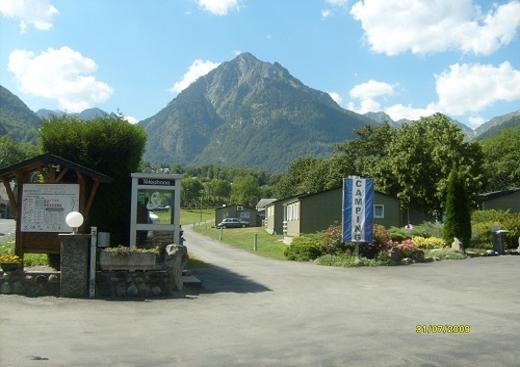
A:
{"x":371,"y":89}
{"x":473,"y":87}
{"x":62,"y":74}
{"x":36,"y":13}
{"x":399,"y":111}
{"x":197,"y":69}
{"x":219,"y":7}
{"x":466,"y":89}
{"x":366,"y":93}
{"x":131,"y":119}
{"x":335,"y":97}
{"x":476,"y":121}
{"x":395,"y":26}
{"x":325,"y":13}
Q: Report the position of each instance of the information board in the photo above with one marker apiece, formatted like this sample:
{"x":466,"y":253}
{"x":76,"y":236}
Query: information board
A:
{"x":45,"y":206}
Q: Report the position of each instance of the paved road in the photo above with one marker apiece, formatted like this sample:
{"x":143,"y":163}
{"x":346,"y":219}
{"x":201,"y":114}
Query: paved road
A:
{"x":7,"y":226}
{"x":261,"y":312}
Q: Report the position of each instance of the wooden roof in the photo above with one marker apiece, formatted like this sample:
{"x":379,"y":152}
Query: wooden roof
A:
{"x":33,"y":164}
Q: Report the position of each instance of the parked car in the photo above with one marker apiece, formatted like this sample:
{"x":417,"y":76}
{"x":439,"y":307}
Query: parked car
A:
{"x":232,"y":223}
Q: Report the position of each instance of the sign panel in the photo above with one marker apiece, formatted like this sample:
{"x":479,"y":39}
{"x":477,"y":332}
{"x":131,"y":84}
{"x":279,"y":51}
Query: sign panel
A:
{"x":156,"y":182}
{"x":358,"y":202}
{"x":45,"y":206}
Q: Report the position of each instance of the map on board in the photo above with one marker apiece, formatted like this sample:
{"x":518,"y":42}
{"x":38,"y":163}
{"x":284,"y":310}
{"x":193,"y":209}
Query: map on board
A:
{"x":45,"y":206}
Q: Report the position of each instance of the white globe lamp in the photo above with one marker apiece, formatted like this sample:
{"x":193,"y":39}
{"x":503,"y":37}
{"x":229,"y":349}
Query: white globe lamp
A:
{"x":74,"y":220}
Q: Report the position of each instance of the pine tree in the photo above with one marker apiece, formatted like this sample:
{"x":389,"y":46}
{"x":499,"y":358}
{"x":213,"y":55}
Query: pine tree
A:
{"x":457,"y":222}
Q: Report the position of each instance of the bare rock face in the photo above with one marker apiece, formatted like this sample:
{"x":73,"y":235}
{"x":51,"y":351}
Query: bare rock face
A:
{"x":176,"y":258}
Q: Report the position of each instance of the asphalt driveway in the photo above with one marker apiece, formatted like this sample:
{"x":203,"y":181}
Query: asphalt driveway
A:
{"x":254,"y":311}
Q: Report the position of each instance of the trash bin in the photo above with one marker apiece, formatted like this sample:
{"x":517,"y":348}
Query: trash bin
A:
{"x":498,"y":239}
{"x":103,"y":239}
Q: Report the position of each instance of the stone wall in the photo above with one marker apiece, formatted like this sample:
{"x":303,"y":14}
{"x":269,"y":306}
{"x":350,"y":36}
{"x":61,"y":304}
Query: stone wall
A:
{"x":123,"y":284}
{"x":30,"y":284}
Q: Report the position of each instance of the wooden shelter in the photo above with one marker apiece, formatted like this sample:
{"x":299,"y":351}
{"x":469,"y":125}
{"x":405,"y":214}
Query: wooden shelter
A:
{"x":48,"y":169}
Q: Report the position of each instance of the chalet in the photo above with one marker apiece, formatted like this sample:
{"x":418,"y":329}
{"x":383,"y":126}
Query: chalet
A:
{"x":501,"y":200}
{"x":309,"y":213}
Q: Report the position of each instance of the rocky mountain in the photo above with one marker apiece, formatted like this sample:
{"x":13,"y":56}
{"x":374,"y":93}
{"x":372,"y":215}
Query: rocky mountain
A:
{"x":247,"y":112}
{"x":497,"y":124}
{"x":17,"y":121}
{"x":88,"y":114}
{"x":46,"y":114}
{"x":380,"y":117}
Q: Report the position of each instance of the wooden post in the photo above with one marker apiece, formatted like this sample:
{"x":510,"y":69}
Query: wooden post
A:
{"x":255,"y":242}
{"x":20,"y":177}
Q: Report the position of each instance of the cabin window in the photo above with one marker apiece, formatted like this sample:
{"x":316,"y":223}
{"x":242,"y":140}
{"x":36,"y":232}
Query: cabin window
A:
{"x":379,"y":211}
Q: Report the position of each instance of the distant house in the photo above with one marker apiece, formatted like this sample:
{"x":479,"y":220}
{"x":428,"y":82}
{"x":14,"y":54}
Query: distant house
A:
{"x":236,"y":211}
{"x":261,"y":208}
{"x":309,"y":213}
{"x":504,"y":200}
{"x":273,"y":222}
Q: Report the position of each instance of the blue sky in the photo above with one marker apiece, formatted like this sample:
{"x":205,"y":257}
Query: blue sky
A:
{"x":406,"y":57}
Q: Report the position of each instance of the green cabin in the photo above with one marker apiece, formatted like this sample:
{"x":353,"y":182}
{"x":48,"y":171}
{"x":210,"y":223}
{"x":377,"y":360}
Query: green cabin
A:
{"x":501,"y":200}
{"x":309,"y":213}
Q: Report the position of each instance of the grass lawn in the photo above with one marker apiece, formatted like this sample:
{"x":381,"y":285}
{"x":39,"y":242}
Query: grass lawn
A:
{"x":188,"y":216}
{"x":268,"y":245}
{"x":7,"y":248}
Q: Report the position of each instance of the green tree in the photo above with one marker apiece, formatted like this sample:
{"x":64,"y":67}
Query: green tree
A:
{"x":501,"y":157}
{"x":109,"y":145}
{"x":245,"y":191}
{"x":12,"y":152}
{"x":192,"y":192}
{"x":419,"y":161}
{"x":220,"y":190}
{"x":457,"y":221}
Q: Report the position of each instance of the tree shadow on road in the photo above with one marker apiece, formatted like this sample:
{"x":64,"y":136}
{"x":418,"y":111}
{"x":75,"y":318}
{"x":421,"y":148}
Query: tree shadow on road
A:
{"x":216,"y":279}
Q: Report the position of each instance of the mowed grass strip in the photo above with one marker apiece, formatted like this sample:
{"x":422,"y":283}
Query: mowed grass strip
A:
{"x":268,"y":245}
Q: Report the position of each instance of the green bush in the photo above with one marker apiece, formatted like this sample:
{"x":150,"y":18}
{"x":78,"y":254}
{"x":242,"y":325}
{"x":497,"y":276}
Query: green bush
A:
{"x":381,"y":235}
{"x":347,"y":260}
{"x":428,"y":243}
{"x":444,"y":254}
{"x":481,"y":234}
{"x":332,"y":239}
{"x":484,"y":220}
{"x":304,"y":248}
{"x":428,"y":229}
{"x":109,"y":145}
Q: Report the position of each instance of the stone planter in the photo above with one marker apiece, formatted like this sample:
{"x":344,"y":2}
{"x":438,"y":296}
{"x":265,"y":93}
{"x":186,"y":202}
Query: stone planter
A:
{"x":129,"y":262}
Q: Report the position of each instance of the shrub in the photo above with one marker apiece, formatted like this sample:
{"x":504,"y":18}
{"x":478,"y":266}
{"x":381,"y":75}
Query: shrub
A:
{"x":304,"y":248}
{"x":481,"y":235}
{"x":332,"y":239}
{"x":428,"y":229}
{"x":109,"y":145}
{"x":381,"y":236}
{"x":484,"y":220}
{"x":457,"y":221}
{"x":399,"y":234}
{"x":346,"y":260}
{"x":428,"y":243}
{"x":445,"y":254}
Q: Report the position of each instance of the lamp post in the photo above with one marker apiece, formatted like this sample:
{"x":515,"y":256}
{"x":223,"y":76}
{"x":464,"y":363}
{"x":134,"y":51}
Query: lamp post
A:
{"x":74,"y":220}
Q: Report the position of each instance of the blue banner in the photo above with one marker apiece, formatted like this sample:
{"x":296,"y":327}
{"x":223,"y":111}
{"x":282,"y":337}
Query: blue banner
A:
{"x":358,"y":209}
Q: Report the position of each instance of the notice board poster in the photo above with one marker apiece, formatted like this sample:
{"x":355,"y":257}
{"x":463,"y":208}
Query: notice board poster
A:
{"x":45,"y":206}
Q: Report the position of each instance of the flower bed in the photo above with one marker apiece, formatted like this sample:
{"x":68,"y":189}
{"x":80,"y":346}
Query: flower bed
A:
{"x":126,"y":258}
